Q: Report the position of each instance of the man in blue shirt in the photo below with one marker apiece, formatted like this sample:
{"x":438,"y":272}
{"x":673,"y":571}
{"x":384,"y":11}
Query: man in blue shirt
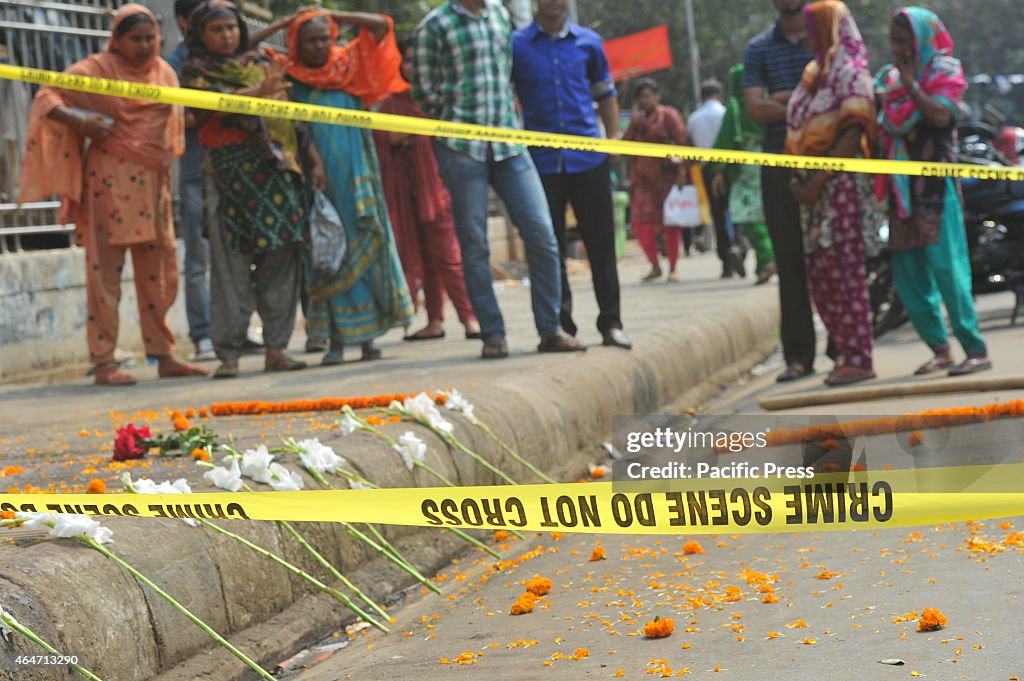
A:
{"x":559,"y":70}
{"x":190,"y":192}
{"x":773,"y":64}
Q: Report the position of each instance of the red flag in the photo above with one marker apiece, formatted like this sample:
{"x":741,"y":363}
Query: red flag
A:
{"x":639,"y":53}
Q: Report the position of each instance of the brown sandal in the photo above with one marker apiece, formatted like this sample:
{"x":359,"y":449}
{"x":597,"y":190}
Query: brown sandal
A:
{"x":848,"y":375}
{"x":113,"y":376}
{"x":283,"y":363}
{"x":936,"y":363}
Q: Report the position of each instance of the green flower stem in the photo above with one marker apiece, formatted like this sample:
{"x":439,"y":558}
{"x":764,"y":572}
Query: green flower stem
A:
{"x":334,"y":593}
{"x":323,"y":561}
{"x":514,"y":454}
{"x":263,"y":674}
{"x":318,"y":556}
{"x":454,"y":442}
{"x":360,"y":479}
{"x":396,"y":559}
{"x":32,"y":636}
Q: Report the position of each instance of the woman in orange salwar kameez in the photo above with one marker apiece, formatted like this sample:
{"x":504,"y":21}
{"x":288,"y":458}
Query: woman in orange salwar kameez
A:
{"x":118,"y":193}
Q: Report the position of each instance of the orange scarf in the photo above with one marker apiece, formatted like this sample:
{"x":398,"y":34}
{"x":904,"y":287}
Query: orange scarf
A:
{"x":148,"y":133}
{"x":363,"y":68}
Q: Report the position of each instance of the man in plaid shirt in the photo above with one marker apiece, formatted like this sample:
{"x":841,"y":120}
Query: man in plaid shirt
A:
{"x":462,"y":65}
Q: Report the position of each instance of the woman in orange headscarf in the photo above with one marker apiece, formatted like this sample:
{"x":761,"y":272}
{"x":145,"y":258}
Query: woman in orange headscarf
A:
{"x":118,"y":193}
{"x":832,"y":113}
{"x":368,"y":295}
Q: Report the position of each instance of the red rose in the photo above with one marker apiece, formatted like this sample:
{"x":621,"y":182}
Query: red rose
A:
{"x":129,"y":442}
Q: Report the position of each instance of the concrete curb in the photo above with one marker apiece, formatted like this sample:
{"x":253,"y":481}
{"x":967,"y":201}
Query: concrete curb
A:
{"x":85,"y":605}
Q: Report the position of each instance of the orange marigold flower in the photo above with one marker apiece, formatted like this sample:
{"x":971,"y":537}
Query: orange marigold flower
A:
{"x":581,"y":653}
{"x":660,"y":627}
{"x":598,"y":554}
{"x":799,"y":624}
{"x":524,"y":604}
{"x":692,"y":547}
{"x":96,"y":486}
{"x":539,"y":586}
{"x":203,"y":412}
{"x":7,"y":515}
{"x":190,"y":413}
{"x":931,"y":620}
{"x":180,"y":423}
{"x":809,"y":641}
{"x":501,"y":535}
{"x":200,"y":454}
{"x":11,"y":470}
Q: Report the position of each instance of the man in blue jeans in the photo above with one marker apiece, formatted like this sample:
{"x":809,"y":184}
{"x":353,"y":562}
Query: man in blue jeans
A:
{"x":190,"y":186}
{"x":456,"y":80}
{"x":559,"y":70}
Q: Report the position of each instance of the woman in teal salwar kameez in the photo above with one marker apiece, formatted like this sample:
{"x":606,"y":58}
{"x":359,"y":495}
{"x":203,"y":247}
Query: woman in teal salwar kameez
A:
{"x":368,"y":295}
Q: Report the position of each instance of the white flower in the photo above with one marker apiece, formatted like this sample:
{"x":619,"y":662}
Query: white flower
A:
{"x":284,"y":480}
{"x":412,"y":449}
{"x":347,"y":424}
{"x":422,"y":408}
{"x":256,"y":464}
{"x":229,"y":479}
{"x":456,"y":402}
{"x":147,"y":486}
{"x":355,"y":484}
{"x":68,"y":525}
{"x":319,"y":457}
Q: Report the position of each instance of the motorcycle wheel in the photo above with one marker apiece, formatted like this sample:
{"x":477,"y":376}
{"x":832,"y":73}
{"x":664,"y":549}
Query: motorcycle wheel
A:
{"x":887,"y":312}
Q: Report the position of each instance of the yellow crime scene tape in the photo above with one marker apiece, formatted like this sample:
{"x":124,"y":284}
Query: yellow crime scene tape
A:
{"x":743,"y":506}
{"x":254,"y":106}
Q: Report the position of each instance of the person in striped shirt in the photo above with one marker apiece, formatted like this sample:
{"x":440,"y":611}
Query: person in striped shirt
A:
{"x":462,"y":65}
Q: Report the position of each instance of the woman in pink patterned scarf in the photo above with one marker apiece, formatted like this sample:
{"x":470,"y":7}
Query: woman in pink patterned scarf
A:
{"x":832,"y":113}
{"x":920,"y":94}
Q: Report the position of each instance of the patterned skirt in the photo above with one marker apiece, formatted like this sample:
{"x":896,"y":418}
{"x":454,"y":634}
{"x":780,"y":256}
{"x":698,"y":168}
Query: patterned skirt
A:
{"x":261,"y":207}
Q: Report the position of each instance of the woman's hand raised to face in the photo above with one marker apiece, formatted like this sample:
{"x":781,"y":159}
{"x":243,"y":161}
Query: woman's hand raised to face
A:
{"x":907,"y":69}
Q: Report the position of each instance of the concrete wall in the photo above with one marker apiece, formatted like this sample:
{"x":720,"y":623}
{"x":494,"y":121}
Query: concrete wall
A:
{"x":42,"y":312}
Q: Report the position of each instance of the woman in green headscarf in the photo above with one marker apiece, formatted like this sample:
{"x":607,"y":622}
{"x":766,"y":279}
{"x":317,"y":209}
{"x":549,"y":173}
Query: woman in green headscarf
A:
{"x":739,"y":133}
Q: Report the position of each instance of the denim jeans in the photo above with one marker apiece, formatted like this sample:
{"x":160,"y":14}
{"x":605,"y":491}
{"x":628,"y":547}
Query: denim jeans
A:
{"x":517,"y":183}
{"x":197,"y":249}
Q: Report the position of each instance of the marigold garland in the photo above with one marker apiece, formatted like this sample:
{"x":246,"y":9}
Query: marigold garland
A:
{"x":257,"y":407}
{"x":660,"y":627}
{"x":925,"y":420}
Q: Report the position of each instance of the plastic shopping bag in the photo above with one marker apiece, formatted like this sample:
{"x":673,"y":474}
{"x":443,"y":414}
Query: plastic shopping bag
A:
{"x":681,"y":207}
{"x":326,"y":235}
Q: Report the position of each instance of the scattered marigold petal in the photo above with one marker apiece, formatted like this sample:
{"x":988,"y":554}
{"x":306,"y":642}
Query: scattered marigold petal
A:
{"x":539,"y":586}
{"x":931,"y":620}
{"x":660,"y":627}
{"x":692,"y":547}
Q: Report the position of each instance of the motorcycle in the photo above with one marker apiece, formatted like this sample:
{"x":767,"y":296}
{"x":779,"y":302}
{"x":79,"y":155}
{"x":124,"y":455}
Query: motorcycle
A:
{"x":994,"y":217}
{"x":994,"y":221}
